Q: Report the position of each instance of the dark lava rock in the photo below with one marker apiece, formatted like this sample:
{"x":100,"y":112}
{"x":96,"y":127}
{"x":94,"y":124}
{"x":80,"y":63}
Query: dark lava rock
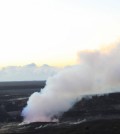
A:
{"x":89,"y":127}
{"x":98,"y":114}
{"x":4,"y":116}
{"x":95,"y":107}
{"x":14,"y":96}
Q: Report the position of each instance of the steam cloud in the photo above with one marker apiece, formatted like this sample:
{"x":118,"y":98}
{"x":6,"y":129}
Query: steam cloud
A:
{"x":97,"y":73}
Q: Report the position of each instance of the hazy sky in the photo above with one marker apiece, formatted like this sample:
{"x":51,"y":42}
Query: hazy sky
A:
{"x":54,"y":31}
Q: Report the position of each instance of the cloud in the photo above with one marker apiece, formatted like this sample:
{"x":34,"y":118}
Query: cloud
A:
{"x":97,"y":73}
{"x":27,"y":72}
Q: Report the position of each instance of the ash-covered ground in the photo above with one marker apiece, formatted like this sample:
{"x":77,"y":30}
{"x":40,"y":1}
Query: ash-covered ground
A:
{"x":98,"y":114}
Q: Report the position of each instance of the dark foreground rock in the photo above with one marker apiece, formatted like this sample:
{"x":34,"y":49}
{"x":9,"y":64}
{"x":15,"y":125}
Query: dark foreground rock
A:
{"x":95,"y":107}
{"x":98,"y":114}
{"x":111,"y":126}
{"x":14,"y":96}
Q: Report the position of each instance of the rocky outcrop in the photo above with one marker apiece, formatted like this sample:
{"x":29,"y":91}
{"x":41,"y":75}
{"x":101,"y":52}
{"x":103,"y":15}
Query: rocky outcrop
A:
{"x":94,"y":107}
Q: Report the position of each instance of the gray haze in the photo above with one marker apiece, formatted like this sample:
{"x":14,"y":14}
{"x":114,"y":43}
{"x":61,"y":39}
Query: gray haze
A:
{"x":27,"y":72}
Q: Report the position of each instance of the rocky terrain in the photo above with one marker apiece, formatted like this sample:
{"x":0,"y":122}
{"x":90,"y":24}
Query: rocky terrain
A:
{"x":13,"y":97}
{"x":95,"y":107}
{"x":98,"y":114}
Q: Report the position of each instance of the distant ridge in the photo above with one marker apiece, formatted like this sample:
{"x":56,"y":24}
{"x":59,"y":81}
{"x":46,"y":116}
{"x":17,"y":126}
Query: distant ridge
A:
{"x":22,"y":84}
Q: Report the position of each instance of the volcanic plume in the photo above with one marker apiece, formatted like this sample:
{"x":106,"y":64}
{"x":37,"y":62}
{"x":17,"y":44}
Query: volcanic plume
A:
{"x":97,"y":73}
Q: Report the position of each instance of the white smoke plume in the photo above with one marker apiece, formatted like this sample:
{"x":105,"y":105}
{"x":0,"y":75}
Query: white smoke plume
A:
{"x":97,"y":73}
